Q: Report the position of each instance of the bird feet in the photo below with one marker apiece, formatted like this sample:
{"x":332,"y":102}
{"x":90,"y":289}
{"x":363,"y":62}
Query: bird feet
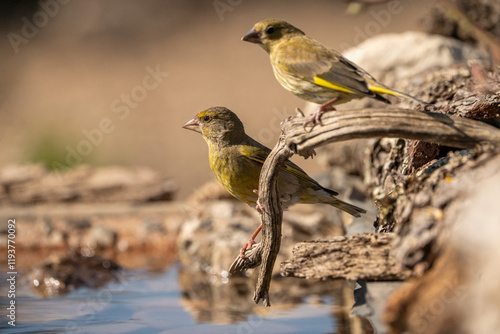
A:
{"x":247,"y":245}
{"x":258,"y":207}
{"x":250,"y":242}
{"x":315,"y":118}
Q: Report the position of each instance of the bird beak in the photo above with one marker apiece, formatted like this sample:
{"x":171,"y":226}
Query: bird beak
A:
{"x":193,"y":125}
{"x":252,"y":36}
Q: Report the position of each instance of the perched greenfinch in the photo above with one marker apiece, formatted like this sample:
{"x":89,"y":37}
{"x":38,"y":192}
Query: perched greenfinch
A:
{"x":312,"y":71}
{"x":236,"y":160}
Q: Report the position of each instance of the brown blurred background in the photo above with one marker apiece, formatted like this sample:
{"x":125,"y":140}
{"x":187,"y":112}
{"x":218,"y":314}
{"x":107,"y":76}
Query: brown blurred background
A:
{"x":73,"y":66}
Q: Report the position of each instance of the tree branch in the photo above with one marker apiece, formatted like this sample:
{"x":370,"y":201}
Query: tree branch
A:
{"x":338,"y":126}
{"x":391,"y":123}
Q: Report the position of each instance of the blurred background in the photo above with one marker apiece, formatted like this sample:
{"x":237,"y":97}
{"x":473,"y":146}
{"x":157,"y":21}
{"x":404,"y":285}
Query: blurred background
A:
{"x":112,"y":82}
{"x":142,"y":242}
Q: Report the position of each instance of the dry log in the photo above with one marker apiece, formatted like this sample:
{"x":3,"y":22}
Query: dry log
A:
{"x":362,"y":256}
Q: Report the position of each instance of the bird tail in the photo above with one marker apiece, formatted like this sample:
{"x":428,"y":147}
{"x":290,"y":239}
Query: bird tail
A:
{"x":344,"y":206}
{"x":379,"y":89}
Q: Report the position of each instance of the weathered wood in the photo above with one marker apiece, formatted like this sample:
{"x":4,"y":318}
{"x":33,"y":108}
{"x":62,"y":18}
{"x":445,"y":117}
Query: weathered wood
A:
{"x":343,"y":125}
{"x":271,"y":216}
{"x":362,"y":256}
{"x":432,"y":127}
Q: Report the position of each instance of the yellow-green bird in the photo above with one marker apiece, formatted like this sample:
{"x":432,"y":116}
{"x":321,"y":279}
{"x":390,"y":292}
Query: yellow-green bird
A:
{"x":312,"y":71}
{"x":236,"y":160}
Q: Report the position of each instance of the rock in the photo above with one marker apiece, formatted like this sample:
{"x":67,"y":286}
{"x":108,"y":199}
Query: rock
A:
{"x":215,"y":233}
{"x":33,"y":184}
{"x":211,"y":190}
{"x":218,"y":229}
{"x":412,"y":54}
{"x":347,"y":155}
{"x":100,"y":237}
{"x":459,"y":292}
{"x":91,"y":226}
{"x":62,"y":274}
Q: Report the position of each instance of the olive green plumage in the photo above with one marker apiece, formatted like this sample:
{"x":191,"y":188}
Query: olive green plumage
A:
{"x":236,"y":160}
{"x":312,"y":71}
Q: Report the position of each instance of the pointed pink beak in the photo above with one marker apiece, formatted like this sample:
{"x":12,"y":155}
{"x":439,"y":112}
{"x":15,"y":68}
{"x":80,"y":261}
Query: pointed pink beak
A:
{"x":252,"y":36}
{"x":193,"y":125}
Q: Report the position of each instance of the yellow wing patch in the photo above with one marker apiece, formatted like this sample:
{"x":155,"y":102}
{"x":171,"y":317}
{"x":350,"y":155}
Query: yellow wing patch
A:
{"x":254,"y":153}
{"x":382,"y":90}
{"x":324,"y":83}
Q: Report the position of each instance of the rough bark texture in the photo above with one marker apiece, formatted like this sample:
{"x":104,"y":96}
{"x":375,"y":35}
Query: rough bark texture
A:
{"x":271,"y":216}
{"x":383,"y":122}
{"x":362,"y":256}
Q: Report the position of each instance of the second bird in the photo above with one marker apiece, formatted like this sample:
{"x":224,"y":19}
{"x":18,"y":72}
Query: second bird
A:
{"x":312,"y":71}
{"x":236,"y":160}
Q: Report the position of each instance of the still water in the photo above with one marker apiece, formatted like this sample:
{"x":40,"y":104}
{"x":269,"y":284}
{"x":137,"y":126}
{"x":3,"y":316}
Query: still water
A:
{"x":158,"y":302}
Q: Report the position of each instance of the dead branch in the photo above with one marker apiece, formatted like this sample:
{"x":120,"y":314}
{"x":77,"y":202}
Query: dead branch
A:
{"x":391,"y":123}
{"x":362,"y":256}
{"x":338,"y":126}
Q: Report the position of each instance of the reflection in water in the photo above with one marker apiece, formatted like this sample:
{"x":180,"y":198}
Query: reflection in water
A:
{"x":212,"y":298}
{"x":172,"y":299}
{"x":61,"y":274}
{"x":177,"y":300}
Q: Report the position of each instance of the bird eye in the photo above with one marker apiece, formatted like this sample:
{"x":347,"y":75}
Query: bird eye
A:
{"x":206,"y":118}
{"x":269,"y":30}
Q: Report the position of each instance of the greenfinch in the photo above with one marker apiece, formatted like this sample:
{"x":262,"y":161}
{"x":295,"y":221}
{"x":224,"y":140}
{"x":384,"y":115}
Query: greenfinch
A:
{"x":236,"y":160}
{"x":312,"y":71}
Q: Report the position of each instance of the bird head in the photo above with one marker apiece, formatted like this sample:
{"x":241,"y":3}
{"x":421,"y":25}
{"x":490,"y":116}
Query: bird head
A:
{"x":268,"y":33}
{"x":218,"y":125}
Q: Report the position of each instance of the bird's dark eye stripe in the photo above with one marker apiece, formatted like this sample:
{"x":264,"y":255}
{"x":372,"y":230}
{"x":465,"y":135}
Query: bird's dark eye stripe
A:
{"x":270,"y":30}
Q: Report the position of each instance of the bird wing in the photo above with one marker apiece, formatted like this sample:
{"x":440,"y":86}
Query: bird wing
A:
{"x":315,"y":62}
{"x":259,"y":153}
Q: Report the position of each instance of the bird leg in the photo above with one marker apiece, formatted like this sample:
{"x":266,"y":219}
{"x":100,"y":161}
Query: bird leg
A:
{"x":258,"y":207}
{"x":316,"y":116}
{"x":250,"y":242}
